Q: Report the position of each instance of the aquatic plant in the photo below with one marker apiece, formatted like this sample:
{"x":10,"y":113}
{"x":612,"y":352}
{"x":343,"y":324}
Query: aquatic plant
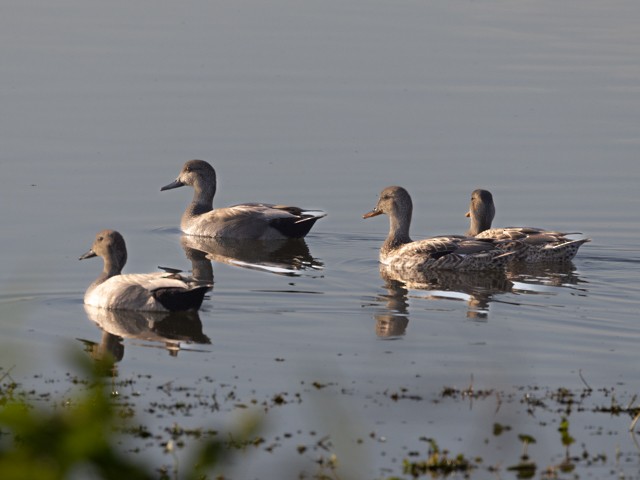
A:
{"x":43,"y":444}
{"x":438,"y":462}
{"x":79,"y":437}
{"x":525,"y":468}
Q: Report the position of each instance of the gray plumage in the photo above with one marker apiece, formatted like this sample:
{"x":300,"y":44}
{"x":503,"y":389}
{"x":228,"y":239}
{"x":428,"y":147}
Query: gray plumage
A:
{"x":156,"y":291}
{"x":259,"y":221}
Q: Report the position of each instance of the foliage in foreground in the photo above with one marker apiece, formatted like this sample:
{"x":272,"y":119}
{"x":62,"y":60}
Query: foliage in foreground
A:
{"x":80,"y":438}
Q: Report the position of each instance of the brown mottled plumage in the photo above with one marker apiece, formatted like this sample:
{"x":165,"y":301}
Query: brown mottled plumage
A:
{"x":453,"y":252}
{"x":530,"y":244}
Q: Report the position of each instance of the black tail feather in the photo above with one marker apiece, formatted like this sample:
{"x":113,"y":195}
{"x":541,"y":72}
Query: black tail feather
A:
{"x":294,"y":228}
{"x":181,"y":299}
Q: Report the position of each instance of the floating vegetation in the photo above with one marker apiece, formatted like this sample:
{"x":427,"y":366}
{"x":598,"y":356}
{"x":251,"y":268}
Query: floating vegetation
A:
{"x":99,"y":421}
{"x":499,"y":429}
{"x":438,"y":462}
{"x":525,"y":468}
{"x":83,"y":434}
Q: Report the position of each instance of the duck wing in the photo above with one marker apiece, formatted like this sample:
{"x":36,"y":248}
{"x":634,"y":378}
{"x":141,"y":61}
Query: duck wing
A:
{"x":146,"y":292}
{"x":258,"y":221}
{"x":434,"y":247}
{"x":287,"y":220}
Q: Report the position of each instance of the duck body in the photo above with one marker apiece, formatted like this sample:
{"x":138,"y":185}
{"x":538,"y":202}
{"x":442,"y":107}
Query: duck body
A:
{"x":529,"y":244}
{"x":451,"y":252}
{"x":158,"y":291}
{"x":444,"y":253}
{"x":251,"y":221}
{"x":257,"y":221}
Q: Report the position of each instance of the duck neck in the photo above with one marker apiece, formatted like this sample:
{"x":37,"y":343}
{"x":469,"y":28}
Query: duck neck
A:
{"x":112,"y":267}
{"x":475,"y":227}
{"x":480,"y":221}
{"x":203,"y":193}
{"x":399,"y":223}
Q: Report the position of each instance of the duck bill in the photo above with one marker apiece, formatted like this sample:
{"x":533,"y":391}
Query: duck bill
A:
{"x":468,"y":214}
{"x":372,"y":213}
{"x":175,"y":184}
{"x":89,"y":254}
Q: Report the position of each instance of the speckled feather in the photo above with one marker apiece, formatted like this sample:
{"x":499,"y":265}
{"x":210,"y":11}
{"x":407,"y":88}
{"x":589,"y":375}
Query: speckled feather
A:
{"x":530,"y":244}
{"x":453,"y":252}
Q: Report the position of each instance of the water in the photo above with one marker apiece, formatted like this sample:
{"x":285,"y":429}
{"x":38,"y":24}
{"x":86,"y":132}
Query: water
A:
{"x":322,"y":104}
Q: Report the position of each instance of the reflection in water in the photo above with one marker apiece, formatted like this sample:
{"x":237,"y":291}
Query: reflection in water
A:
{"x":283,"y":257}
{"x":478,"y":288}
{"x":536,"y":278}
{"x":170,"y":329}
{"x":201,"y":268}
{"x":394,"y":320}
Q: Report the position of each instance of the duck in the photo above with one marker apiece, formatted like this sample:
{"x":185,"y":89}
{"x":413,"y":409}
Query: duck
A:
{"x":155,"y":292}
{"x":449,"y":252}
{"x":531,"y":244}
{"x":257,"y":221}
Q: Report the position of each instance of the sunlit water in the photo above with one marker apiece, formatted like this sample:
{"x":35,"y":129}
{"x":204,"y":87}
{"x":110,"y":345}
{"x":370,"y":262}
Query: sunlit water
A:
{"x":322,"y":104}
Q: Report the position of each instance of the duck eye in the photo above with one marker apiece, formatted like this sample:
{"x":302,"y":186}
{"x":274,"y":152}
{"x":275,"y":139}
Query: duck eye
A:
{"x":100,"y":239}
{"x":187,"y":169}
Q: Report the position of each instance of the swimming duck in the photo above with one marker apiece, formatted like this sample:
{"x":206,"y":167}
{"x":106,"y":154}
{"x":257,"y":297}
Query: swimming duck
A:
{"x":159,"y":291}
{"x":452,"y":252}
{"x":259,"y":221}
{"x":530,"y":244}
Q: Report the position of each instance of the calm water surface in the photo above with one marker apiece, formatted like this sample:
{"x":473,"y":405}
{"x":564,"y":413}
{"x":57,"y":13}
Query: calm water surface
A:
{"x":322,"y":104}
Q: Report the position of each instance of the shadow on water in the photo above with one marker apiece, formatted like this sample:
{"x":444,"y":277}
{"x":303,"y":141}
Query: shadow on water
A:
{"x":543,"y":278}
{"x":392,"y":322}
{"x":201,"y":267}
{"x":170,"y":330}
{"x":282,"y":257}
{"x":477,"y":288}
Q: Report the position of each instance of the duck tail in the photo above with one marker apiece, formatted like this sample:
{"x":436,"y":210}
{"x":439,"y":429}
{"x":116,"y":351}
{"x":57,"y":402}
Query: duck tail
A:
{"x":311,"y":215}
{"x":181,"y":299}
{"x":576,"y":243}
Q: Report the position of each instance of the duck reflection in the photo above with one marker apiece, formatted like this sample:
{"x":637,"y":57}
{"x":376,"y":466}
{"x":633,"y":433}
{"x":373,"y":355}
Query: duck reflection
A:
{"x":393,"y":321}
{"x":282,"y":257}
{"x":538,"y":278}
{"x":201,"y":268}
{"x":477,"y":288}
{"x":168,"y":329}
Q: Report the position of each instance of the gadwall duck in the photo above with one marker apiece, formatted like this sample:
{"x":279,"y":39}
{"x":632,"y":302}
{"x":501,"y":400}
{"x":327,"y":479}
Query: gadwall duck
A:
{"x":259,"y":221}
{"x":438,"y":253}
{"x":529,"y":243}
{"x":159,"y":291}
